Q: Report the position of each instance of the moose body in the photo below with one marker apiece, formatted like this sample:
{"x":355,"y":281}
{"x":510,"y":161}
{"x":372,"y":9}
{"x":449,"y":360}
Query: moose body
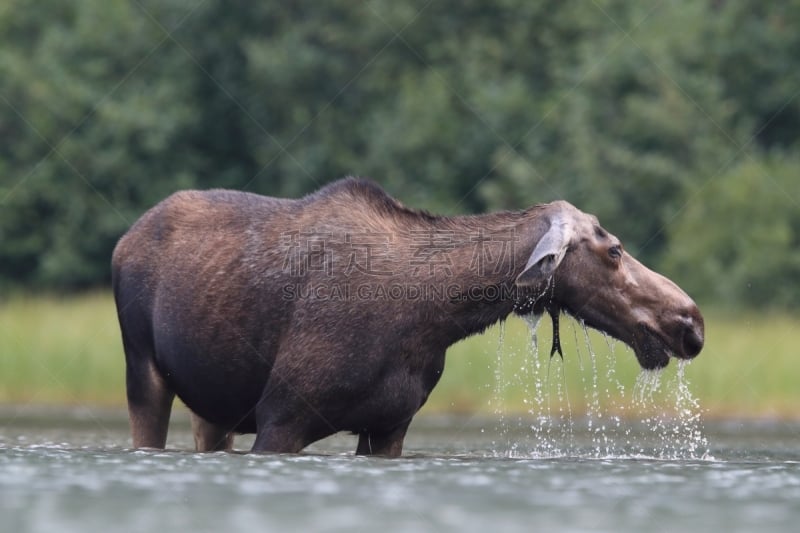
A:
{"x":297,"y":319}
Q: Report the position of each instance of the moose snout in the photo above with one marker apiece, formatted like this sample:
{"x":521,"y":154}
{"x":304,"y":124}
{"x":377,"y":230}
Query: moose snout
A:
{"x":692,"y":333}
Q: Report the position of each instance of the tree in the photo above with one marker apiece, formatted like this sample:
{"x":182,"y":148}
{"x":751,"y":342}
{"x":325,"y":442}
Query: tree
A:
{"x":631,"y":111}
{"x":96,"y":121}
{"x":738,"y":240}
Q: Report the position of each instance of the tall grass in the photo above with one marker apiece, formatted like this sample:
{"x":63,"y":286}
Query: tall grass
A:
{"x":61,"y":351}
{"x":68,"y":351}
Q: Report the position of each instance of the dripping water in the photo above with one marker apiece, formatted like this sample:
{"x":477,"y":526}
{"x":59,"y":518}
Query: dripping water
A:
{"x":539,"y":408}
{"x":690,"y":426}
{"x":645,"y":420}
{"x":499,"y":387}
{"x":523,"y":371}
{"x":648,"y":382}
{"x":676,"y":433}
{"x":549,"y":412}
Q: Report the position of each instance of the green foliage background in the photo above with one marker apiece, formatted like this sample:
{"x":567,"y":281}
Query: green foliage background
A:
{"x":677,"y":122}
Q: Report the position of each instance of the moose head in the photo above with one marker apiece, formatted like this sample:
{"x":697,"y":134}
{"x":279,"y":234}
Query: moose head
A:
{"x":580,"y":268}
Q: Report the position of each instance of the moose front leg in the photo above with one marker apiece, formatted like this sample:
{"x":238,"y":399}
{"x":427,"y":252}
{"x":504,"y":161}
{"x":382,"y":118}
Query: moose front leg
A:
{"x":285,"y":425}
{"x":209,"y":437}
{"x":382,"y":443}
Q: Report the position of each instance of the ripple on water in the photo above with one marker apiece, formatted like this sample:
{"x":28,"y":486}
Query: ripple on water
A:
{"x":88,"y":490}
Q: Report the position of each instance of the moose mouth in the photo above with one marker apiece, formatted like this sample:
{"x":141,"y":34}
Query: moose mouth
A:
{"x":650,"y":348}
{"x":653,"y":349}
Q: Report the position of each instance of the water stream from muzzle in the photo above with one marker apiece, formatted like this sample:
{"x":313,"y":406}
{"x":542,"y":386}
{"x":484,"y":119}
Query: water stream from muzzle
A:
{"x":643,"y":419}
{"x":679,"y":433}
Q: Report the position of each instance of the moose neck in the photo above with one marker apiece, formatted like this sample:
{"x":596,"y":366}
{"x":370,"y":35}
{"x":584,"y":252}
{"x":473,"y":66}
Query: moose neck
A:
{"x":485,"y":256}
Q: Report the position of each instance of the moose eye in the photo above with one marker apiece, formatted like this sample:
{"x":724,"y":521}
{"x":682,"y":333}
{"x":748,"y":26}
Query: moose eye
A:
{"x":615,"y":252}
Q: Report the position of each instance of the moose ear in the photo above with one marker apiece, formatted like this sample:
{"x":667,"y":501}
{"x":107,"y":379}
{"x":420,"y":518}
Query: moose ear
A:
{"x":547,"y":254}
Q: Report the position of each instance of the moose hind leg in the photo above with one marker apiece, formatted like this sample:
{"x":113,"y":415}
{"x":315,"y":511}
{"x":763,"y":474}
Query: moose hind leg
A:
{"x":210,"y":437}
{"x":149,"y":405}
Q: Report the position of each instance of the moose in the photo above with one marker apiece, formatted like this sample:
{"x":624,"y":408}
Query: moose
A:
{"x":295,"y":319}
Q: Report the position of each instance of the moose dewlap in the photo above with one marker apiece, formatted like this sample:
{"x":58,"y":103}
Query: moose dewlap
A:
{"x":297,"y":319}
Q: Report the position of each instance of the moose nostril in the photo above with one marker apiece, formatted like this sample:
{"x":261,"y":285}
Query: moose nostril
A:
{"x":692,"y":340}
{"x":693,"y":326}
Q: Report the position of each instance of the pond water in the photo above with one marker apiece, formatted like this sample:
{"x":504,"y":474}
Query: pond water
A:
{"x":75,"y":472}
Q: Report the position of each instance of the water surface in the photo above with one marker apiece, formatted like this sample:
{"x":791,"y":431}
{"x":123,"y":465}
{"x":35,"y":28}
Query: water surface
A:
{"x":73,"y":472}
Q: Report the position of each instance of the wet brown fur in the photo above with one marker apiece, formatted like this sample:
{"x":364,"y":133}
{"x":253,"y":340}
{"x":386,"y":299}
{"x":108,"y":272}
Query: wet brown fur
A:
{"x":201,"y":280}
